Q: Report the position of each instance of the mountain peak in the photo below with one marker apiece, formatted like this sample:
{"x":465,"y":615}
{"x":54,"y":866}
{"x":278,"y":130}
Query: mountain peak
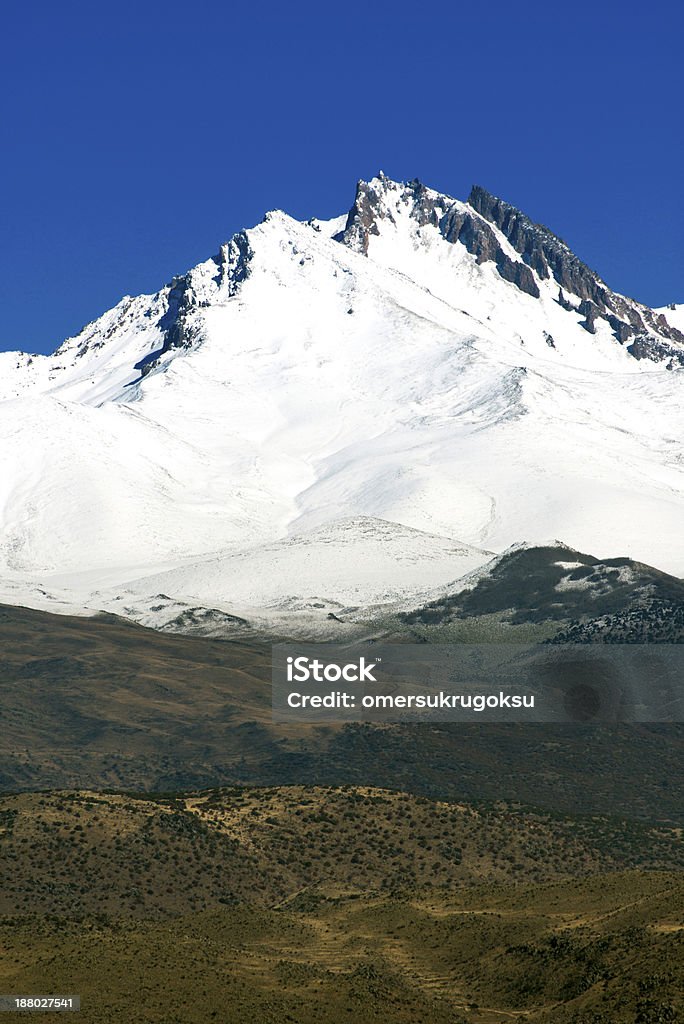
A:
{"x":524,"y":253}
{"x":371,"y":206}
{"x":381,"y":201}
{"x":439,"y":382}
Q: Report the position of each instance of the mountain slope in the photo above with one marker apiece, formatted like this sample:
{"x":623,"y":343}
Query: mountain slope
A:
{"x":357,"y":561}
{"x":612,"y":599}
{"x":100,"y":702}
{"x":448,"y":367}
{"x":318,"y":904}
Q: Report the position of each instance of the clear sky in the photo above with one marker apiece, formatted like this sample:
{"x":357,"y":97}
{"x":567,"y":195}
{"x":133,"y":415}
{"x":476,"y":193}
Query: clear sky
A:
{"x":136,"y":137}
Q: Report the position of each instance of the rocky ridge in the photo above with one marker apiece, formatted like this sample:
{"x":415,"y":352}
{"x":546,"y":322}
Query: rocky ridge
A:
{"x":479,"y":224}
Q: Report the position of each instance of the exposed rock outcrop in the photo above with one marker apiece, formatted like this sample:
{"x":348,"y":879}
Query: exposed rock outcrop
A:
{"x":549,"y":256}
{"x":479,"y":225}
{"x":194,"y":290}
{"x":454,"y":220}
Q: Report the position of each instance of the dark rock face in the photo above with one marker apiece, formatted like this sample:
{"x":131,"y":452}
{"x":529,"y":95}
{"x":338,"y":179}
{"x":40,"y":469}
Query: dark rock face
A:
{"x":233,"y":265}
{"x":549,"y":256}
{"x":478,"y":225}
{"x":646,"y":347}
{"x":543,"y":256}
{"x":362,"y":218}
{"x":517,"y":273}
{"x":565,"y":303}
{"x":590,"y":311}
{"x":232,"y":268}
{"x":454,"y":220}
{"x":458,"y":225}
{"x":181,"y":300}
{"x":622,"y":331}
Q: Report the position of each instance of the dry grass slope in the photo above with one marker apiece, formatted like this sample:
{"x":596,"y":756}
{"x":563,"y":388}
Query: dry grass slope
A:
{"x":85,"y":852}
{"x":101,"y":703}
{"x":323,"y":905}
{"x":606,"y":950}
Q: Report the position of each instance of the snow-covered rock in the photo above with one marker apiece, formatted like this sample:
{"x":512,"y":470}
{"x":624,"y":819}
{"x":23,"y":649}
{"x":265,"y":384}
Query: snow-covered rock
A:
{"x":440,"y":375}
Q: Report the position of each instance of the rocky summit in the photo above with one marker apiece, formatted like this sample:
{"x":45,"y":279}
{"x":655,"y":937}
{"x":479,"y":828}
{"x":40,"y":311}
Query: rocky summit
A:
{"x":342,"y":413}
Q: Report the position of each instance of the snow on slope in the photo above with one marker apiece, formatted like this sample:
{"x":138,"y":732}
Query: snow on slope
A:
{"x":674,"y":314}
{"x":358,"y":561}
{"x":295,"y":380}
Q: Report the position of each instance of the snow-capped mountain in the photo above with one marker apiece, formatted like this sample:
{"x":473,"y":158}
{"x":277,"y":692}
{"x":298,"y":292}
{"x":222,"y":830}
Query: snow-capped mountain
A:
{"x":445,"y":376}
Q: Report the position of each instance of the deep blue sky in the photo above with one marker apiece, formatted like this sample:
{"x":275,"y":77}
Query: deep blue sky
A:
{"x":138,"y":136}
